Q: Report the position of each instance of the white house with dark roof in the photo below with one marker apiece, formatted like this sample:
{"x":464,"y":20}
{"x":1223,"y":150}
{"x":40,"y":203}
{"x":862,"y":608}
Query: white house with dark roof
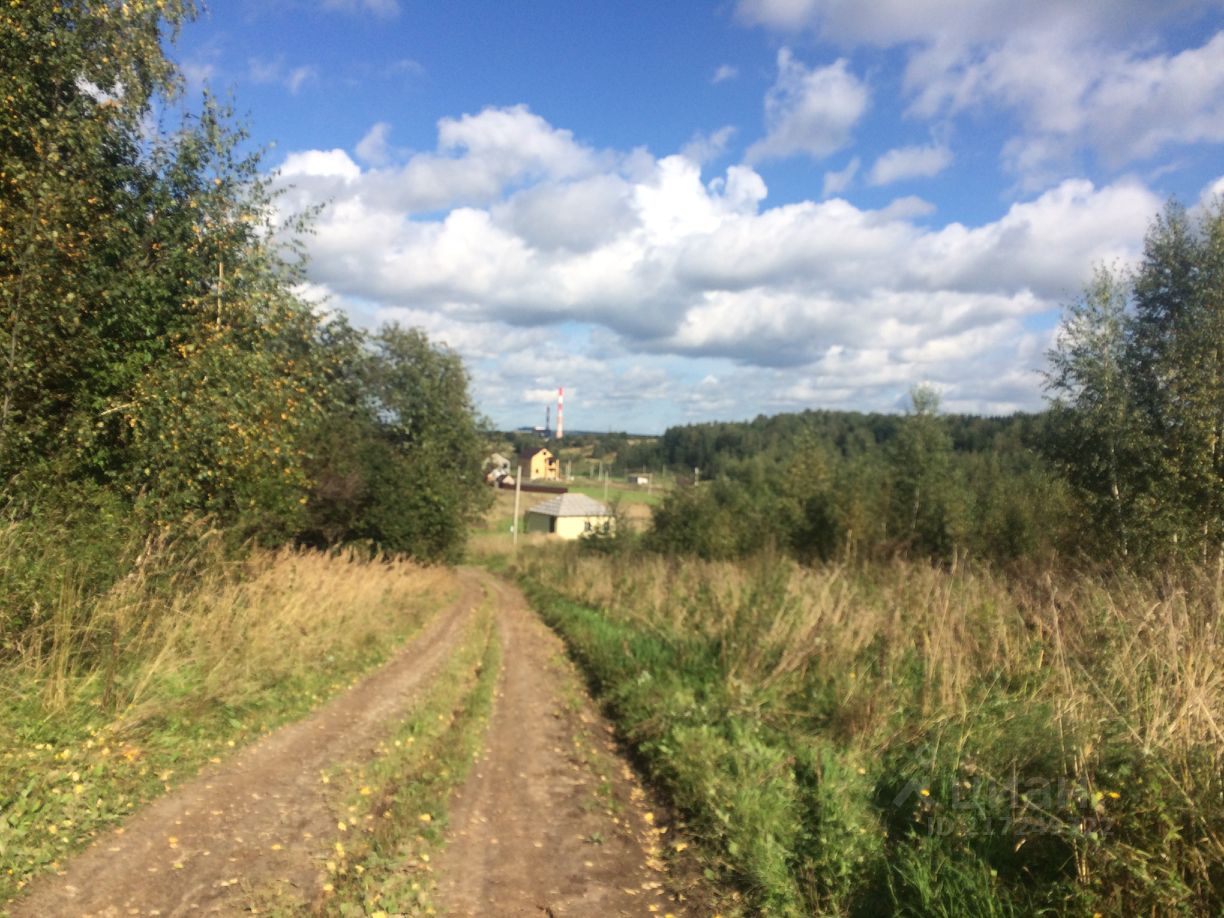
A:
{"x":569,"y":516}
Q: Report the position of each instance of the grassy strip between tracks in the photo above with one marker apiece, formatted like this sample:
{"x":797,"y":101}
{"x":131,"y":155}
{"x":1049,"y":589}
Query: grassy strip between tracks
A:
{"x":393,"y":813}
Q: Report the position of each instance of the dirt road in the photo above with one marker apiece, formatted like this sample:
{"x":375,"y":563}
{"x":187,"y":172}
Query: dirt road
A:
{"x":549,"y":822}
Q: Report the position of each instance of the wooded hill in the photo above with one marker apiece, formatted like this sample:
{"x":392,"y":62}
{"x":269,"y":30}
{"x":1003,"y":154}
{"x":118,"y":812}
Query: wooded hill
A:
{"x":716,"y":447}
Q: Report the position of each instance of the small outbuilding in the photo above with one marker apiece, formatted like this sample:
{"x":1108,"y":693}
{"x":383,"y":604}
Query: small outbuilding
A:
{"x":569,"y":516}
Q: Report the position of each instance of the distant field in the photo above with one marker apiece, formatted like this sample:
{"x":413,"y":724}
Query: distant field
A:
{"x":625,"y":493}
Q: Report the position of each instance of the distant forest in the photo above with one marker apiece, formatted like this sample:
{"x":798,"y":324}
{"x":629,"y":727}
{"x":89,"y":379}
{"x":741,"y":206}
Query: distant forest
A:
{"x":1126,"y":464}
{"x":822,"y":484}
{"x":718,"y":447}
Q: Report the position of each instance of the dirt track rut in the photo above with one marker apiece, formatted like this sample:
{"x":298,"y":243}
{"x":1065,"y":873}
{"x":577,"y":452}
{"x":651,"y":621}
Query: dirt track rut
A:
{"x":550,"y":821}
{"x":259,"y":816}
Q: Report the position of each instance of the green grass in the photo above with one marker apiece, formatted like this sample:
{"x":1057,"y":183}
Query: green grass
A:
{"x":235,"y":652}
{"x":396,"y":804}
{"x":901,"y":739}
{"x":624,"y":493}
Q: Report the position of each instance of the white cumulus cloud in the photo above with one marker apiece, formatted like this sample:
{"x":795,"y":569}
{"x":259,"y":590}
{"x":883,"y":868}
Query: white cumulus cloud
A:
{"x":327,"y":164}
{"x":537,"y":256}
{"x":909,"y":162}
{"x":1076,"y":74}
{"x":809,"y":111}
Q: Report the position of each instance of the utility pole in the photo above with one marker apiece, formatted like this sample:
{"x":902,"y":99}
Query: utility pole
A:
{"x":514,"y":527}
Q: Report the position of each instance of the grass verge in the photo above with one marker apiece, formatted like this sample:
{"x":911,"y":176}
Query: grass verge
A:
{"x":184,"y":664}
{"x":903,"y":739}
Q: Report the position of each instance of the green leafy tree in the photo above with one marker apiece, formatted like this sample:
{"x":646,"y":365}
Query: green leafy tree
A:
{"x":230,"y":373}
{"x":1176,"y":356}
{"x":1098,"y":437}
{"x":152,"y":342}
{"x":76,"y":80}
{"x":396,"y":459}
{"x":156,"y":367}
{"x":817,"y":528}
{"x":1138,"y":383}
{"x":720,"y":520}
{"x":421,"y":391}
{"x":924,"y":508}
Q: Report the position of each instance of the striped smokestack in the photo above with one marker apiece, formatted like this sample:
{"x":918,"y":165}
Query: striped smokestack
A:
{"x":560,"y":406}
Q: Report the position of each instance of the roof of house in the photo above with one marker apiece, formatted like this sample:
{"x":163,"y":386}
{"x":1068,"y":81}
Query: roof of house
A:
{"x":528,"y":453}
{"x":571,"y":504}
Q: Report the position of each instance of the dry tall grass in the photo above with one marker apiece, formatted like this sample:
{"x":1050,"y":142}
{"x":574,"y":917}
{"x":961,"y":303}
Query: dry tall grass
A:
{"x":220,"y":629}
{"x":483,"y":547}
{"x":1151,"y":654}
{"x":1109,"y":688}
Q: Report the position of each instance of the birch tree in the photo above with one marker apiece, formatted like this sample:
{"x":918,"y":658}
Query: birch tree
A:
{"x":1137,"y":381}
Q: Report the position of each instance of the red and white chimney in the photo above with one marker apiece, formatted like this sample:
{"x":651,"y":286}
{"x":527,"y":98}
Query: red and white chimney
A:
{"x":560,"y":406}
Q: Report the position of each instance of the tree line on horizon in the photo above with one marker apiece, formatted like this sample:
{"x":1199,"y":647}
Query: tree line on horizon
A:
{"x":1127,"y":462}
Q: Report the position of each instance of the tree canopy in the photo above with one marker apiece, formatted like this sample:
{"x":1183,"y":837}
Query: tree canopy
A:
{"x":1137,"y":377}
{"x":153,"y":349}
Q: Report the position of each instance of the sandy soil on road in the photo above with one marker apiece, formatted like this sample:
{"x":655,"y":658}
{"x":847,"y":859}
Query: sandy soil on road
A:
{"x":253,"y":820}
{"x":531,"y":832}
{"x":550,"y":822}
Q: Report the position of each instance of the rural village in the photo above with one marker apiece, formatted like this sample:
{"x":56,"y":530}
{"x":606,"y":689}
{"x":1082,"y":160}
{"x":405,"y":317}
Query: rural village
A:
{"x":869,"y":559}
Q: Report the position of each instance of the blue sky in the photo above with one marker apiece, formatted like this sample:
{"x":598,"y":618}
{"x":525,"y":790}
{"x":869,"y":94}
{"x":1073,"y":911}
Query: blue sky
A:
{"x":688,"y":211}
